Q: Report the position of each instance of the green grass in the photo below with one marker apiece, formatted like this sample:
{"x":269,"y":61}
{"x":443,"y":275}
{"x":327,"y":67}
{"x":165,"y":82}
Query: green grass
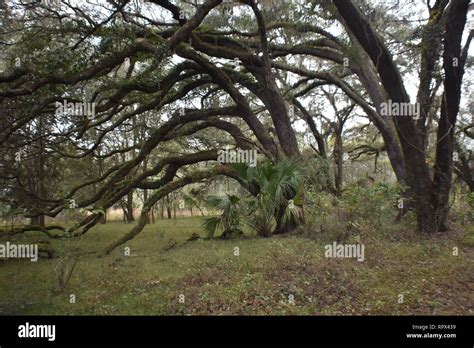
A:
{"x":213,"y":280}
{"x":468,"y":239}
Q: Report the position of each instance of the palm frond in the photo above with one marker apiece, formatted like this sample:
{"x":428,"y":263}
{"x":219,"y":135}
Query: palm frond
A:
{"x":210,"y":225}
{"x":292,"y":212}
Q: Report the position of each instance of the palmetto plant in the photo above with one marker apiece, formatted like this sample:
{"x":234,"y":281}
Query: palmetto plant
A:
{"x":277,"y":206}
{"x":229,"y":218}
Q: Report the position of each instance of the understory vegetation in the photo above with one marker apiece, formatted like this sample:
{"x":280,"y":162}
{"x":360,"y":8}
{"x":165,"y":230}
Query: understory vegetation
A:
{"x":256,"y":276}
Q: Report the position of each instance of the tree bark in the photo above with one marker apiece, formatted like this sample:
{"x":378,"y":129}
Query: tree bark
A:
{"x":418,"y":175}
{"x":130,"y":217}
{"x":453,"y":71}
{"x":338,"y":160}
{"x":431,"y":45}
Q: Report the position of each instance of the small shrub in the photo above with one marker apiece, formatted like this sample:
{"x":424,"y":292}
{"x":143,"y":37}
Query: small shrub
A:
{"x":371,"y":203}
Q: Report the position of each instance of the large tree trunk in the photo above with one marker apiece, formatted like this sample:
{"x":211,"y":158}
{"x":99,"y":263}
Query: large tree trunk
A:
{"x":430,"y":198}
{"x":430,"y":48}
{"x":368,"y":77}
{"x":453,"y":71}
{"x":281,"y":121}
{"x":418,"y":175}
{"x":270,"y":95}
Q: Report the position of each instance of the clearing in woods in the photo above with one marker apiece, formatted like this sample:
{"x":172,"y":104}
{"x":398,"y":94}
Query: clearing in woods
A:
{"x":167,"y":275}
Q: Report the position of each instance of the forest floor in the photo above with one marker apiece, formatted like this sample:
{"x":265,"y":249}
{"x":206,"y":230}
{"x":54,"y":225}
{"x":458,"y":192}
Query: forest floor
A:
{"x":285,"y":275}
